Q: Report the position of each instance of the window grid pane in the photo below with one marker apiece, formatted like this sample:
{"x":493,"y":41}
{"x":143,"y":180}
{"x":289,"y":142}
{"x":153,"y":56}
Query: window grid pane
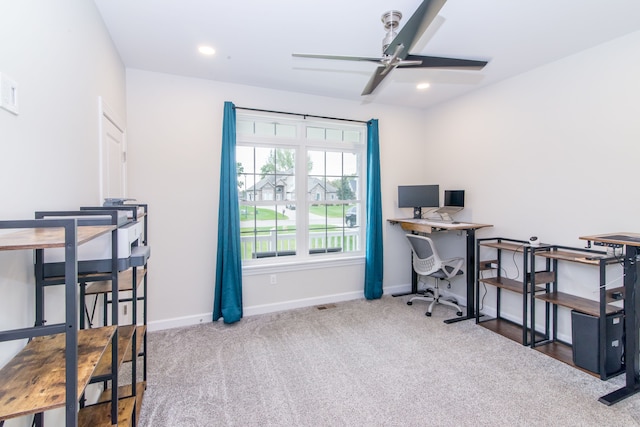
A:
{"x":268,"y":191}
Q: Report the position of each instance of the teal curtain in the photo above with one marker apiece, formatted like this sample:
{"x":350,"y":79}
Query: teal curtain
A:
{"x":227,"y":301}
{"x":373,"y":253}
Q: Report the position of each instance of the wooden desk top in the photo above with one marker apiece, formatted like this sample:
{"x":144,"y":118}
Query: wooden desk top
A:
{"x":428,"y":226}
{"x":620,"y":238}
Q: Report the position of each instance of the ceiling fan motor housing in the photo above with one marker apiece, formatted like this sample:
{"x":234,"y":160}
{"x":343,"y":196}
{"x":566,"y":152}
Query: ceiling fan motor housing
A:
{"x":391,"y":21}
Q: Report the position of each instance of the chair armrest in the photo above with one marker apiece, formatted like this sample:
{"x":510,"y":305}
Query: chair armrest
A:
{"x":456,"y":263}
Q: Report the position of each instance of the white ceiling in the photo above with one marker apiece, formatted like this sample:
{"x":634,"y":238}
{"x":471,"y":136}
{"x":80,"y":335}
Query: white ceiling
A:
{"x":254,"y":40}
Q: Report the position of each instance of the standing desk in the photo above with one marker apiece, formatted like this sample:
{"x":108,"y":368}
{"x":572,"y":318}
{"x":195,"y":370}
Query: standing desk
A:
{"x":631,"y":244}
{"x":424,"y":226}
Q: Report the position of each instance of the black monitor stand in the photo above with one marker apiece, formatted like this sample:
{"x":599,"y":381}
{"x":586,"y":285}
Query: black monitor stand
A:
{"x":417,"y":213}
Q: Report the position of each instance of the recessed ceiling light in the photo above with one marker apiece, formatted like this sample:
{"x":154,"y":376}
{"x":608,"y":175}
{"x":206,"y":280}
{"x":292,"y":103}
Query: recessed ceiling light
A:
{"x":422,"y":86}
{"x":206,"y":50}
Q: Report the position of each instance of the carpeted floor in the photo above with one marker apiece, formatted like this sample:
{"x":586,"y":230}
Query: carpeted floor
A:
{"x":365,"y":363}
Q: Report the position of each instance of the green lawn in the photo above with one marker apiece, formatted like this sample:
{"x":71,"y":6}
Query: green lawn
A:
{"x":261,"y":214}
{"x":332,"y":211}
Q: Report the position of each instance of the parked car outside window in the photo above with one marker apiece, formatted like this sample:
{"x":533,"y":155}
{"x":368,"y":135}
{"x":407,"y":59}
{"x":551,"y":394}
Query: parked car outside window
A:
{"x":351,"y":217}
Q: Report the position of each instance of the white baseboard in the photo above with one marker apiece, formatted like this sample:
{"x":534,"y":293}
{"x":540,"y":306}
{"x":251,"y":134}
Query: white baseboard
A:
{"x":196,"y":319}
{"x":178,"y":322}
{"x":300,"y":303}
{"x":397,"y":289}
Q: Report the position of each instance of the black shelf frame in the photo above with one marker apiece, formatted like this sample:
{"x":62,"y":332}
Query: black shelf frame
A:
{"x":552,"y":335}
{"x":527,"y":285}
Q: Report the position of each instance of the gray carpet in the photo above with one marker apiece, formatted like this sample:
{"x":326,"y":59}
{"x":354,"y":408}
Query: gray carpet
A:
{"x":365,"y":363}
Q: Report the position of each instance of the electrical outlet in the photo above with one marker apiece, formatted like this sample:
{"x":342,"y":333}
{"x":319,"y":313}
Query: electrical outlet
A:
{"x":494,"y":265}
{"x":273,"y":279}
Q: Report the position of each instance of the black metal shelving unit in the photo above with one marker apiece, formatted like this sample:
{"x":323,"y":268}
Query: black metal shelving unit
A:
{"x":52,"y":348}
{"x":554,"y":298}
{"x":529,"y":283}
{"x":124,"y":273}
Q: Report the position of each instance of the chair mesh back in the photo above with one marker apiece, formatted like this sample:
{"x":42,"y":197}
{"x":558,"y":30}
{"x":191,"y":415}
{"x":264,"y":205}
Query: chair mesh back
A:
{"x":421,"y":247}
{"x":424,"y":261}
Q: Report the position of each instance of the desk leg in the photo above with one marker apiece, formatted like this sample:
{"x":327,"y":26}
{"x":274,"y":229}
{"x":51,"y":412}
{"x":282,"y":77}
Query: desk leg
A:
{"x":471,"y":275}
{"x":631,"y":309}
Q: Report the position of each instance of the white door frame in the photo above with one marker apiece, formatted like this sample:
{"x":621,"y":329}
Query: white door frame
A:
{"x":105,"y":111}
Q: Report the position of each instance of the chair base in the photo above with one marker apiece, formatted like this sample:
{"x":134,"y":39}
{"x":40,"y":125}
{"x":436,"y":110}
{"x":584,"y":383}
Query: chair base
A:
{"x":433,"y":296}
{"x":428,"y":296}
{"x":448,"y":302}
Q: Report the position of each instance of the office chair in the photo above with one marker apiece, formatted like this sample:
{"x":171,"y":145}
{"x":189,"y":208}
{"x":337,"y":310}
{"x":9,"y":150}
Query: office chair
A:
{"x":427,"y":263}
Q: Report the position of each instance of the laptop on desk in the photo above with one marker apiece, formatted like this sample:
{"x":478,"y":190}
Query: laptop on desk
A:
{"x":453,"y":203}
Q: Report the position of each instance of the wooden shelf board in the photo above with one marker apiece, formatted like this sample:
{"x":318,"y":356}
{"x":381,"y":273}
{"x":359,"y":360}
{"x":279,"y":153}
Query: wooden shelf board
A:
{"x":575,"y":256}
{"x":508,"y":284}
{"x":125,"y":281}
{"x":140,"y":331}
{"x":507,"y":329}
{"x":621,"y":238}
{"x":504,"y":283}
{"x":509,"y":246}
{"x":125,"y":335}
{"x":543,"y":277}
{"x":125,"y":391}
{"x":562,"y":352}
{"x":34,"y":380}
{"x":576,"y":303}
{"x":48,"y":237}
{"x":487,"y":262}
{"x":99,"y":415}
{"x":611,"y":291}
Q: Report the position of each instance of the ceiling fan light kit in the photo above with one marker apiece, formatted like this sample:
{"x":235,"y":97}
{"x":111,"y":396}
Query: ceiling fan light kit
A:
{"x":396,"y":47}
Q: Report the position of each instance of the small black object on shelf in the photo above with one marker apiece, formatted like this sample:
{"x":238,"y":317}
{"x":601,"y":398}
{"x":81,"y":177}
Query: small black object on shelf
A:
{"x":115,"y":201}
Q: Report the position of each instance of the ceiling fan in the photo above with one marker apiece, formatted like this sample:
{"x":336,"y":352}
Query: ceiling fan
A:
{"x":396,"y":46}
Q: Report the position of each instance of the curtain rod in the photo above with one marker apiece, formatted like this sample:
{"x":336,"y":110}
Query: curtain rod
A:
{"x":298,"y":114}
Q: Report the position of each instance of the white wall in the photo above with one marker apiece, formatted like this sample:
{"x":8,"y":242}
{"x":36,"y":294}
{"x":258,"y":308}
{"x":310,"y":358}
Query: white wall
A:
{"x":62,"y":59}
{"x":553,"y":153}
{"x":529,"y":152}
{"x":175,"y":131}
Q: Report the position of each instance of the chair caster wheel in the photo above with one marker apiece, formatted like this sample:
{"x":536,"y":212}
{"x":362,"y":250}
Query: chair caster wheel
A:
{"x":427,"y":314}
{"x":459,"y":313}
{"x":409,"y":303}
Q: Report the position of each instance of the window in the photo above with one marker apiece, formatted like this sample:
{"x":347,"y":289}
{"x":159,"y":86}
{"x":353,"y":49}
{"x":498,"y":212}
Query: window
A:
{"x":301,"y":188}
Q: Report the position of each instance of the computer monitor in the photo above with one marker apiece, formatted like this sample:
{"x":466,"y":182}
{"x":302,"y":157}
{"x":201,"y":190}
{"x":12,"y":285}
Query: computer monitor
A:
{"x":453,"y":202}
{"x":418,"y":197}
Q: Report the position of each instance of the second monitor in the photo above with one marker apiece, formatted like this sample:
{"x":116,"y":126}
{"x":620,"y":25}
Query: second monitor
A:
{"x":453,"y":202}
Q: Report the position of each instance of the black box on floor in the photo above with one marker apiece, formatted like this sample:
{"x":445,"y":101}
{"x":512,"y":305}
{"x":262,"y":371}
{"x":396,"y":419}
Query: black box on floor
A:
{"x":585,"y":337}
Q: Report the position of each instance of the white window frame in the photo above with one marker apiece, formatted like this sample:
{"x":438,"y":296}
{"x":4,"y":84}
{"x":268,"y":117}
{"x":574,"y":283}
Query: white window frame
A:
{"x":302,"y":145}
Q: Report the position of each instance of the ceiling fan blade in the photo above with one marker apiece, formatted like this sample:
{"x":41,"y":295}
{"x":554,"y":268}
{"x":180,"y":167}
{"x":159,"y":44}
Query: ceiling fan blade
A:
{"x":415,"y":26}
{"x":418,"y":61}
{"x":376,"y":79}
{"x":338,"y":57}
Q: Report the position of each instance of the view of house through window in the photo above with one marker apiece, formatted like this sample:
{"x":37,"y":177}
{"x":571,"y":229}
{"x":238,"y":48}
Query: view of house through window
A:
{"x":301,"y":188}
